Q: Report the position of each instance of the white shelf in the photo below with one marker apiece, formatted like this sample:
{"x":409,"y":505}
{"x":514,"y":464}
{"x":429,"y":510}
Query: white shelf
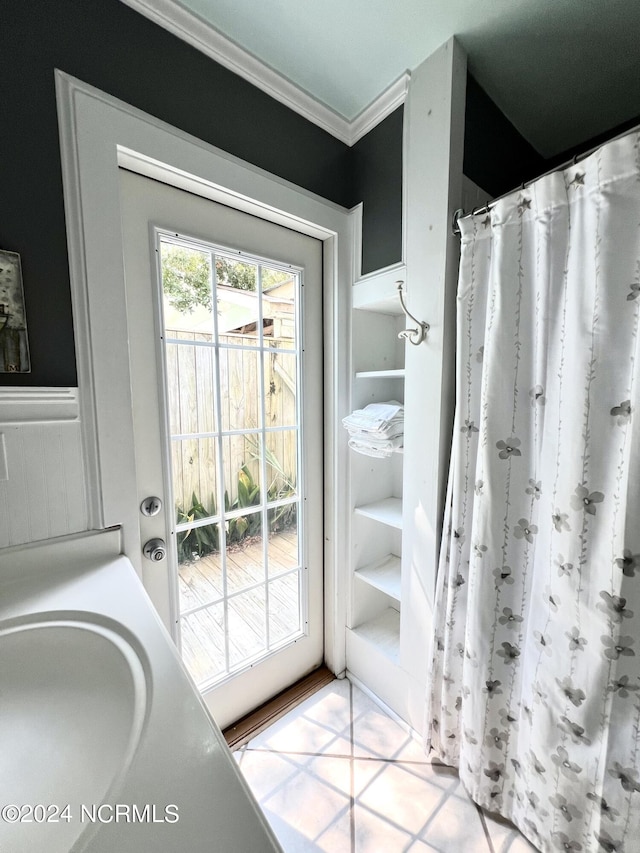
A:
{"x":379,"y":293}
{"x":381,"y":305}
{"x":388,"y":511}
{"x":384,"y":575}
{"x":381,"y":374}
{"x":383,"y":632}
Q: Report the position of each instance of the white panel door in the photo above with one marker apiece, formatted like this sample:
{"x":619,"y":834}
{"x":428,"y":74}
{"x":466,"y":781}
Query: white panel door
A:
{"x":225,"y":336}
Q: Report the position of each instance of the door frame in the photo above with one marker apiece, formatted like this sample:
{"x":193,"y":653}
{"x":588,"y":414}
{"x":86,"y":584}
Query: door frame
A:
{"x":98,"y":134}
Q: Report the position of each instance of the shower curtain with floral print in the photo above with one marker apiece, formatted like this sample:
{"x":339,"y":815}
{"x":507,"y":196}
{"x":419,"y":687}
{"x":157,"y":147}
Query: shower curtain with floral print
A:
{"x":535,"y":684}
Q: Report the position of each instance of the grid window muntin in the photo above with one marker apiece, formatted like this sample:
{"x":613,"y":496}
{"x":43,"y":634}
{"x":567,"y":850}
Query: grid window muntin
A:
{"x":263,"y":349}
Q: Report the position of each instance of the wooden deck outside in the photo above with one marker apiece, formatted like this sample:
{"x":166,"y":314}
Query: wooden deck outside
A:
{"x":201,"y":582}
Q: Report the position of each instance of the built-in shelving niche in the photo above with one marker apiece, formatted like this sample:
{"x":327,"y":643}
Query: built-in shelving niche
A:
{"x":373,"y":635}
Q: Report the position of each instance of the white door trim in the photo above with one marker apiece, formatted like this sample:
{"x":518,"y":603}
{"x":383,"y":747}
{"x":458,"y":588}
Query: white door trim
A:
{"x":97,"y":134}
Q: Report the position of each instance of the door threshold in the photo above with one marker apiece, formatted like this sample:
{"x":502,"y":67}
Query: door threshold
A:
{"x":252,"y":724}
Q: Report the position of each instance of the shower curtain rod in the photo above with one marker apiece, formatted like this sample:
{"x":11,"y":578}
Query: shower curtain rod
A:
{"x":485,"y":208}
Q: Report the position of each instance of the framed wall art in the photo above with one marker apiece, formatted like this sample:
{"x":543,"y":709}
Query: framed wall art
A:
{"x":14,"y":346}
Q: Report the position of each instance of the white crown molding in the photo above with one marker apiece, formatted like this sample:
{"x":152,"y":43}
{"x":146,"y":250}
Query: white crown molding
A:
{"x":200,"y":34}
{"x":38,"y":405}
{"x":197,"y":32}
{"x":392,"y":97}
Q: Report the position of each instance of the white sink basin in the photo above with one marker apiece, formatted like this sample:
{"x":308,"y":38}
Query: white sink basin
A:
{"x":69,"y":687}
{"x":96,"y":710}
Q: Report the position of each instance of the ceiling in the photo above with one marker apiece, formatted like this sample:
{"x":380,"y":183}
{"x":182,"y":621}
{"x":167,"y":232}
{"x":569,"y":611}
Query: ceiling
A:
{"x":562,"y":71}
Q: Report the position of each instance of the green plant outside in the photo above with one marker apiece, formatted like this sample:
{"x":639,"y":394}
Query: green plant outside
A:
{"x":196,"y":542}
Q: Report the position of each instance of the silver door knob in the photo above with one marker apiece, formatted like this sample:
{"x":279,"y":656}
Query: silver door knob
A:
{"x":155,"y":550}
{"x":151,"y":506}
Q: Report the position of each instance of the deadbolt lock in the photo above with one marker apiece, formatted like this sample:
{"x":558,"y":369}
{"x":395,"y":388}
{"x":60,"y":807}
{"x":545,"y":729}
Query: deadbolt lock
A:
{"x":151,"y":506}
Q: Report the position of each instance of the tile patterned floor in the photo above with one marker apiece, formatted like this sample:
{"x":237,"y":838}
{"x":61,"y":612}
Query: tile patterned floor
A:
{"x":336,"y":774}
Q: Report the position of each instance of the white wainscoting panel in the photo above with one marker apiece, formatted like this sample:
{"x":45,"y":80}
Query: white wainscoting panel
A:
{"x":42,"y":482}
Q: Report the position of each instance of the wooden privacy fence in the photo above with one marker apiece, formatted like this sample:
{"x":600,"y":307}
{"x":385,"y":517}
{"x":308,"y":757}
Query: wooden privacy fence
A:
{"x":191,"y":384}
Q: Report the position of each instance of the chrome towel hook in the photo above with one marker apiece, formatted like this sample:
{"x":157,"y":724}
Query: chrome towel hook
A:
{"x":414,"y":336}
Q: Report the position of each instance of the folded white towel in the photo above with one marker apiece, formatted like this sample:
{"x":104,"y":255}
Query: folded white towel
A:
{"x":380,"y":411}
{"x":376,"y":417}
{"x":378,"y":449}
{"x":383,"y":411}
{"x":395,"y":428}
{"x":360,"y":419}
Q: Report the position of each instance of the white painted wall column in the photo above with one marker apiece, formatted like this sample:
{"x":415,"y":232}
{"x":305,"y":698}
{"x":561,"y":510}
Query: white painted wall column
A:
{"x":434,"y":143}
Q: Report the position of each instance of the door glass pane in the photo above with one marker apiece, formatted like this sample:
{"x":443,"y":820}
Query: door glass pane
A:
{"x":245,"y":557}
{"x":281,"y":456}
{"x":279,"y":292}
{"x":281,"y":406}
{"x":204,"y":383}
{"x":232,"y":377}
{"x":199,"y":566}
{"x":283,"y":539}
{"x":190,"y":384}
{"x":203,"y":643}
{"x":247,"y":626}
{"x":237,"y":302}
{"x":195,"y":478}
{"x":284,"y":608}
{"x":186,"y":285}
{"x":240,"y":389}
{"x":182,"y":397}
{"x":242,"y":470}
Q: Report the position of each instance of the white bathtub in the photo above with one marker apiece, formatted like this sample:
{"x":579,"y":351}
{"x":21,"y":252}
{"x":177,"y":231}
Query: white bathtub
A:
{"x":104,"y":743}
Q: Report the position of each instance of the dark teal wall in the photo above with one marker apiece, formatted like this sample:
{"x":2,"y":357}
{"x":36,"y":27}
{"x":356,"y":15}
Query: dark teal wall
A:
{"x":377,"y":182}
{"x":496,"y":157}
